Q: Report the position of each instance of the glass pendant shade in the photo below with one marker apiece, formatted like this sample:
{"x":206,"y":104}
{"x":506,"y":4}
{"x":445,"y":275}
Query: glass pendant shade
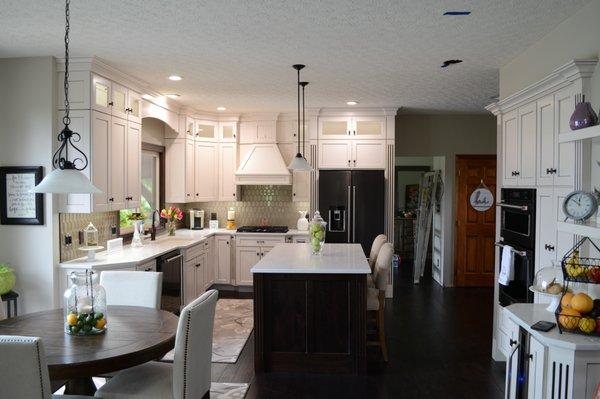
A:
{"x":66,"y":181}
{"x":299,"y":163}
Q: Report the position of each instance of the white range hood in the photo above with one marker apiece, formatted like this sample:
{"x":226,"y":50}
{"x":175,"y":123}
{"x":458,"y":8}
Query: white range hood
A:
{"x":263,"y":165}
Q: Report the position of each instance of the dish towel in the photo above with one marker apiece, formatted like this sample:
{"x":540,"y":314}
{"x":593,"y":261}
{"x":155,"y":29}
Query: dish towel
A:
{"x":507,"y":266}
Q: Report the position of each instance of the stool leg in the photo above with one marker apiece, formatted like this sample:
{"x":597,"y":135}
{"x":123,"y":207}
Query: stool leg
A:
{"x":16,"y":313}
{"x":7,"y":309}
{"x":381,"y":328}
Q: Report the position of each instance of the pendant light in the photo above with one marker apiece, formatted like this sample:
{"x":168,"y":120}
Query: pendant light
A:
{"x":66,"y":178}
{"x":299,"y":162}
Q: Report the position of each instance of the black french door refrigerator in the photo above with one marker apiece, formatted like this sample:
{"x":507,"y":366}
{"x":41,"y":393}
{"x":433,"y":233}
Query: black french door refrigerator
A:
{"x":352,"y":202}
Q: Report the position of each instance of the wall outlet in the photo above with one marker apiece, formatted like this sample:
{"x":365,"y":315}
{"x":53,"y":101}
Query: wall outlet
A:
{"x":113,"y":230}
{"x":80,"y":236}
{"x":68,"y":240}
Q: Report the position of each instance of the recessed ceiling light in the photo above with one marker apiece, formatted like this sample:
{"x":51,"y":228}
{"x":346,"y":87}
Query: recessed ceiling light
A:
{"x":461,"y":12}
{"x":447,"y":63}
{"x":351,"y":102}
{"x":175,"y":77}
{"x":221,"y":108}
{"x":172,"y":95}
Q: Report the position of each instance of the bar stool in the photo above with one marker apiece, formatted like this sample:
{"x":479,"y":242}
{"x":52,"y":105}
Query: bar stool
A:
{"x":376,"y":296}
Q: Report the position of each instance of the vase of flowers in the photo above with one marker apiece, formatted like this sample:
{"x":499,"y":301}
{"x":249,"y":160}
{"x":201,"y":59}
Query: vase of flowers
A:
{"x":171,"y":215}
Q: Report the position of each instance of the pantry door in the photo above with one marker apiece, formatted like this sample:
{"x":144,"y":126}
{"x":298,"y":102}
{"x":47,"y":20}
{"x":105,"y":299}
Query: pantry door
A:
{"x":475,"y":230}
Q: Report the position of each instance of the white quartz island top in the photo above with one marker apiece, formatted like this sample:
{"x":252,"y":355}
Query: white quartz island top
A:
{"x":298,"y":258}
{"x":527,"y":314}
{"x":131,"y":256}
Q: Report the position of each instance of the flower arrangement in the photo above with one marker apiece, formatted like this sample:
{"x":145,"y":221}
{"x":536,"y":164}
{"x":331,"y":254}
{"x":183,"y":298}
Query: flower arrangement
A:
{"x":171,"y":215}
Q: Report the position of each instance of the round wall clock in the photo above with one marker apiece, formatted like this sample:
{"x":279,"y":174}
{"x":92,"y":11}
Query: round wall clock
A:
{"x":580,"y":205}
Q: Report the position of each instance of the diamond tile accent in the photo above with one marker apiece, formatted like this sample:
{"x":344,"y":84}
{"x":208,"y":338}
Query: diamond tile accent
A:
{"x":72,"y":223}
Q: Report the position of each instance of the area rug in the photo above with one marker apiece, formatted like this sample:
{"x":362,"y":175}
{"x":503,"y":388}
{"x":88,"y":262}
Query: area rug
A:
{"x":234,"y":321}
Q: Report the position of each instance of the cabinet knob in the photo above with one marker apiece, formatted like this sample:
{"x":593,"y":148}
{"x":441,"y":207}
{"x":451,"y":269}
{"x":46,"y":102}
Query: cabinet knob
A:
{"x":354,"y":132}
{"x":188,"y":195}
{"x":548,"y":171}
{"x":553,"y":171}
{"x":529,"y":356}
{"x":234,"y":194}
{"x":512,"y":342}
{"x":111,"y":199}
{"x":257,"y":254}
{"x":355,"y":162}
{"x":348,"y":162}
{"x":111,"y":103}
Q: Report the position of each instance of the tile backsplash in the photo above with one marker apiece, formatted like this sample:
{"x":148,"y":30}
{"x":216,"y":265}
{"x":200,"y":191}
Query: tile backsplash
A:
{"x":257,"y":202}
{"x":72,"y":223}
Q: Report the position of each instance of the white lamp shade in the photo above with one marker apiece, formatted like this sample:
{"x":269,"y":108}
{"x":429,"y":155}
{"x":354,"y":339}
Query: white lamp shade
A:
{"x":66,"y":181}
{"x":300,"y":164}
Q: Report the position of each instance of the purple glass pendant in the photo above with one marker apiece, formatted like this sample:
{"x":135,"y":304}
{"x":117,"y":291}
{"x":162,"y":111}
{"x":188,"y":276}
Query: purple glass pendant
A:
{"x":584,"y":115}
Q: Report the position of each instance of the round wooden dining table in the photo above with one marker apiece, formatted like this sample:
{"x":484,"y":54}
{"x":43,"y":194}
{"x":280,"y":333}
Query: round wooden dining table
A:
{"x":134,"y":335}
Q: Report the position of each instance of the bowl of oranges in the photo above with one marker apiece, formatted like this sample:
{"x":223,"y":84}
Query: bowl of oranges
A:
{"x":579,"y":313}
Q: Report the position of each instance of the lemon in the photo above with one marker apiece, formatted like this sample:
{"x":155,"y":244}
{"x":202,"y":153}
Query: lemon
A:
{"x":587,"y":325}
{"x":102,"y":322}
{"x":72,"y":319}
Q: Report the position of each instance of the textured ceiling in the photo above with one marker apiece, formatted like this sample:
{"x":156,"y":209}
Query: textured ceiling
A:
{"x":239,"y":54}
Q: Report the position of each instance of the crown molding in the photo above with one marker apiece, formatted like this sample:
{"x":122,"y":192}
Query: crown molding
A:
{"x":560,"y":77}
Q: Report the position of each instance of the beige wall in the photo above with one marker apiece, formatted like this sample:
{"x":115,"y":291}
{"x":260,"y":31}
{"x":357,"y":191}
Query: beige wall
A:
{"x":576,"y":37}
{"x":447,"y":136}
{"x":27,"y":133}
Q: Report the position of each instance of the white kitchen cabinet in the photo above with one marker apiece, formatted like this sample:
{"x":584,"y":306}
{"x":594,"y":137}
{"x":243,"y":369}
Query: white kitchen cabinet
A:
{"x":178,"y":155}
{"x":336,"y":127}
{"x":300,"y":179}
{"x":226,"y":172}
{"x":512,"y":363}
{"x":206,"y":130}
{"x":564,"y":153}
{"x":536,"y":379}
{"x":527,"y":145}
{"x":133,"y":159}
{"x":368,"y":154}
{"x":119,"y":102}
{"x":510,"y":148}
{"x":246,"y":258}
{"x":335,"y":154}
{"x":209,"y":257}
{"x":134,"y":104}
{"x":116,"y":157}
{"x":190,"y":126}
{"x":223,"y":259}
{"x":228,"y":132}
{"x":189,"y":280}
{"x":196,"y":272}
{"x":99,"y":162}
{"x":287,"y":132}
{"x":359,"y":127}
{"x":101,"y":94}
{"x":115,"y":99}
{"x":188,"y":171}
{"x":205,"y":171}
{"x":369,"y":127}
{"x":546,"y":140}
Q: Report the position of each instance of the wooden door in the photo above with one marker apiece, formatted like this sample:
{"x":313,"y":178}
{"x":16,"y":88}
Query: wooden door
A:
{"x":546,"y":228}
{"x":368,"y":127}
{"x":475,"y":230}
{"x":338,"y":127}
{"x":101,"y":94}
{"x":119,"y":101}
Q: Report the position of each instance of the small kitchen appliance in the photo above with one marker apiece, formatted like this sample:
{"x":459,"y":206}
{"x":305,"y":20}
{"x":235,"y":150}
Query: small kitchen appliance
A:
{"x":196,"y":219}
{"x":231,"y":219}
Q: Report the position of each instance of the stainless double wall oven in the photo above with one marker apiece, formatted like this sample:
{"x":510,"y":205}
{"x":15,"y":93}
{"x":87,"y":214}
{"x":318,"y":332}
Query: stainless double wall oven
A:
{"x":517,"y":229}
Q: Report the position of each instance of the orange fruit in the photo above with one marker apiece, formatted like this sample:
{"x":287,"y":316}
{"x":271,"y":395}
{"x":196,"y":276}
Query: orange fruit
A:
{"x":587,"y":325}
{"x":102,"y":322}
{"x":569,"y":318}
{"x":72,"y":319}
{"x":565,"y":301}
{"x":582,"y":303}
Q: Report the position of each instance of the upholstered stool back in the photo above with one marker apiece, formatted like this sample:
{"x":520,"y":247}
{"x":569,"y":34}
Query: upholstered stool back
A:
{"x":130,"y":288}
{"x":375,"y":247}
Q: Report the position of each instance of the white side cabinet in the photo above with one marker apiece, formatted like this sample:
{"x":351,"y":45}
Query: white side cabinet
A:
{"x":226,"y":172}
{"x":249,"y":250}
{"x":352,"y":154}
{"x":223,"y":245}
{"x":343,"y":127}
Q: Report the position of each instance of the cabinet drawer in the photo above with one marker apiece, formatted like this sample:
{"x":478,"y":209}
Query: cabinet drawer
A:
{"x":194,"y":251}
{"x":149,"y":266}
{"x":246,"y":241}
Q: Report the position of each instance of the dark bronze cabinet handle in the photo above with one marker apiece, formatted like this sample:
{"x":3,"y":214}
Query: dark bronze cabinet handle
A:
{"x":111,"y":103}
{"x":355,"y":162}
{"x":234,"y":194}
{"x":111,"y":199}
{"x":512,"y":342}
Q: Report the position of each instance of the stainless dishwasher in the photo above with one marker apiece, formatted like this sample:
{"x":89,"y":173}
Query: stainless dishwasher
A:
{"x":171,"y":266}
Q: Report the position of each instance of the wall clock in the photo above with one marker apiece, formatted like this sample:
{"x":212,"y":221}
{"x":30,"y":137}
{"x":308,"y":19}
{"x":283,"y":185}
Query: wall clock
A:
{"x":580,"y":205}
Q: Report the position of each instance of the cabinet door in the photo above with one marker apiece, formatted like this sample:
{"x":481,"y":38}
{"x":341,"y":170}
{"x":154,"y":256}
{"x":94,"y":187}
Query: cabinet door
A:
{"x":546,"y":228}
{"x":201,"y":274}
{"x":189,"y":280}
{"x":335,"y":154}
{"x":206,"y":131}
{"x":134,"y":159}
{"x":527,"y":145}
{"x":368,"y":154}
{"x":368,"y":127}
{"x":287,"y":131}
{"x":536,"y":379}
{"x":564,"y":241}
{"x":205,"y":171}
{"x":564,"y":104}
{"x":246,"y":258}
{"x":510,"y":148}
{"x":118,"y":136}
{"x":101,"y":125}
{"x":546,"y":136}
{"x":301,"y":186}
{"x":513,"y":335}
{"x":227,"y":168}
{"x":223,"y":260}
{"x":335,"y":127}
{"x":189,"y":171}
{"x":134,"y":103}
{"x":175,"y":170}
{"x":120,"y":105}
{"x":228,"y":132}
{"x":264,"y":251}
{"x":101,"y":94}
{"x":190,"y":126}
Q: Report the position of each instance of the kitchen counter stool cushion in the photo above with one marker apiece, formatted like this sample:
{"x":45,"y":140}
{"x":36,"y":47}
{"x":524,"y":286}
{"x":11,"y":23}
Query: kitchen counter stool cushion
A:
{"x":190,"y":373}
{"x":375,"y":247}
{"x":131,"y":288}
{"x":372,"y":299}
{"x":23,"y":369}
{"x":376,"y":295}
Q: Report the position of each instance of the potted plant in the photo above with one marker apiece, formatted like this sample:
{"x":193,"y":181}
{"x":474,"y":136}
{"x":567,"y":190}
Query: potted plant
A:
{"x":7,"y":279}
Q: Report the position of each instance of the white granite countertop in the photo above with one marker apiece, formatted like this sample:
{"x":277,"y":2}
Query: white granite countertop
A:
{"x":527,"y":314}
{"x":298,"y":258}
{"x":130,"y":256}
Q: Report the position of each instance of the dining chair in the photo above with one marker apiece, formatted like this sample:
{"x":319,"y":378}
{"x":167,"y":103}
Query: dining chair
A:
{"x":376,"y":296}
{"x":375,"y":247}
{"x":131,"y":288}
{"x":190,"y":373}
{"x":23,"y":369}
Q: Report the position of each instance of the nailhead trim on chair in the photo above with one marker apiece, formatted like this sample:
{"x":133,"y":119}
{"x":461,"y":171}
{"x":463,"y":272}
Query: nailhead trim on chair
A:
{"x":37,"y":348}
{"x":185,"y":354}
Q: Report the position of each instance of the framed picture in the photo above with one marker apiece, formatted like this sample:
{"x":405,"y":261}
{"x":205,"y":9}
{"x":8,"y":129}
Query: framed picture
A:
{"x":19,"y":206}
{"x":412,"y":196}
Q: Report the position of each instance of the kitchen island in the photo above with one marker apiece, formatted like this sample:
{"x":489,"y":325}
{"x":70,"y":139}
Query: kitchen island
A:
{"x":310,"y":310}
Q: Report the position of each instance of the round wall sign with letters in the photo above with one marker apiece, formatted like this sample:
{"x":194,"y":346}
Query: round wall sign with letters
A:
{"x":482,"y":199}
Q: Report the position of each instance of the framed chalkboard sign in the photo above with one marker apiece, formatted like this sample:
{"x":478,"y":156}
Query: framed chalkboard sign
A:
{"x":19,"y":206}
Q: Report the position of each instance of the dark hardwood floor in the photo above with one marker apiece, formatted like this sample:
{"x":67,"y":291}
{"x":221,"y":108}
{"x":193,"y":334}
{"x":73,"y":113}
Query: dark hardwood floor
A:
{"x":439,"y":344}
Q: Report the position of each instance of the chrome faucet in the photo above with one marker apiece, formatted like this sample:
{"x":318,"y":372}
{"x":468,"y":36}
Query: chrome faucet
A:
{"x":153,"y":227}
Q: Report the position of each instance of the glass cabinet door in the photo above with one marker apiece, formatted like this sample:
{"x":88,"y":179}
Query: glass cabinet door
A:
{"x":369,"y":127}
{"x":190,"y":126}
{"x":135,"y":106}
{"x":101,"y":94}
{"x":206,"y":130}
{"x":119,"y":101}
{"x":331,"y":128}
{"x":228,"y":131}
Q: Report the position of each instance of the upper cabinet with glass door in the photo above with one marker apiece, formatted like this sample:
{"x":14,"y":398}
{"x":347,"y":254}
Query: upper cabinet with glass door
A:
{"x":206,"y":130}
{"x":228,"y":132}
{"x":115,"y":99}
{"x":352,"y":127}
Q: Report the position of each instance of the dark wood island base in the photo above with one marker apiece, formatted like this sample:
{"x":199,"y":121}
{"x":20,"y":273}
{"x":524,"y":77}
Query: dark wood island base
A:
{"x":310,"y":323}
